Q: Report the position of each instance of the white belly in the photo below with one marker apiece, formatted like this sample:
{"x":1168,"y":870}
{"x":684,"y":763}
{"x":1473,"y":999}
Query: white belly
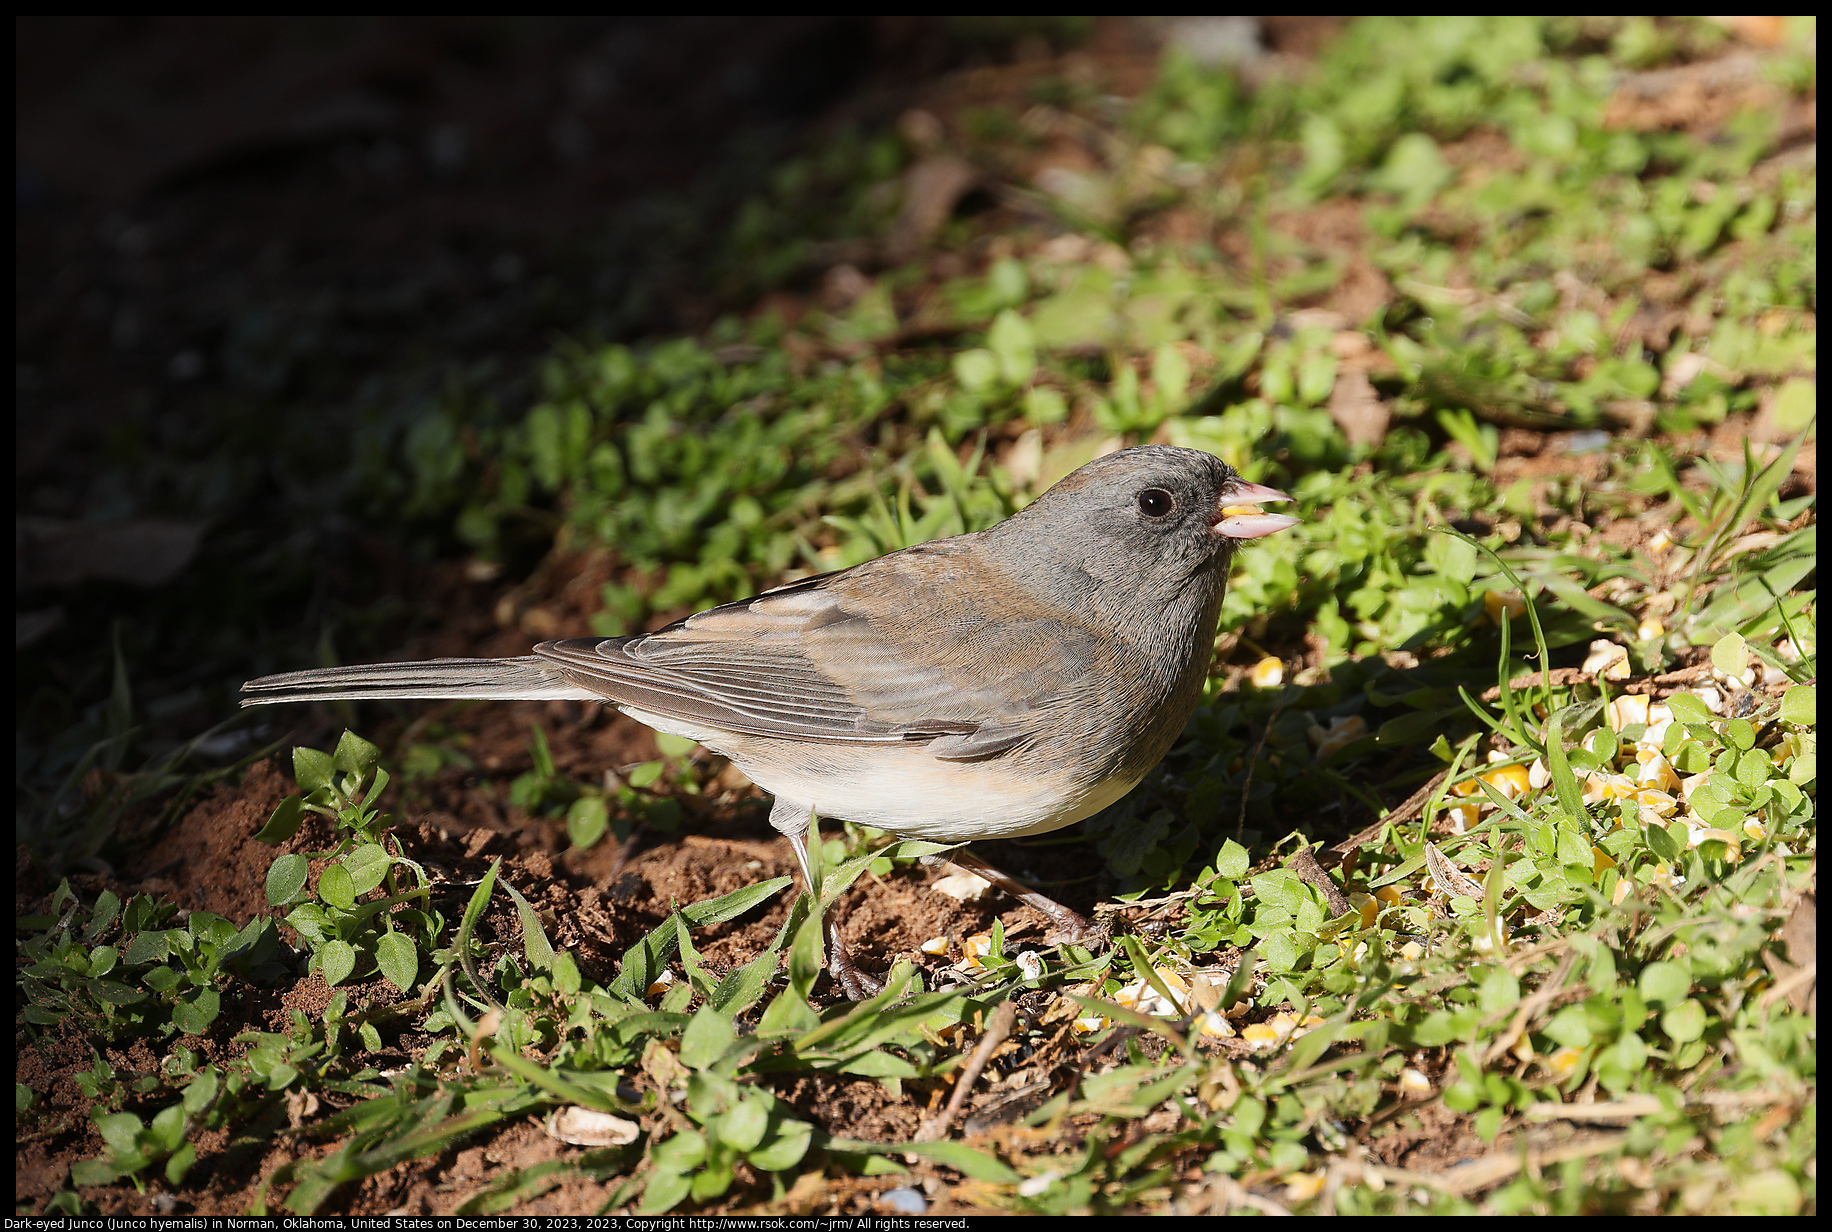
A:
{"x":902,"y":789}
{"x":914,"y":795}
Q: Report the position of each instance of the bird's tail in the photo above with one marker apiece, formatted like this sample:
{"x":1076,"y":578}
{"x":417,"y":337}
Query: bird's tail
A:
{"x":523,"y":679}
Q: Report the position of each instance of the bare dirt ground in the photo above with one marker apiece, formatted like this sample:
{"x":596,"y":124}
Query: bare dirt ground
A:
{"x":179,"y":175}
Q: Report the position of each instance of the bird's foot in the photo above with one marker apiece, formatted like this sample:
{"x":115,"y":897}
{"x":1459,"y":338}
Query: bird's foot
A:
{"x":1067,"y":926}
{"x":857,"y":985}
{"x":1072,"y":928}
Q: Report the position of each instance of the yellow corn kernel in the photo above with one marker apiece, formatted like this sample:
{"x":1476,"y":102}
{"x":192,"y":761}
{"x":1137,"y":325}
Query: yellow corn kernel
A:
{"x":973,"y":949}
{"x":1216,"y":1025}
{"x":1512,"y":782}
{"x":1343,"y":730}
{"x":1174,"y":981}
{"x":1657,"y":773}
{"x":1607,"y":659}
{"x":1564,"y":1062}
{"x":1630,"y":708}
{"x":962,"y":886}
{"x":1699,"y":835}
{"x":1303,"y":1186}
{"x":1287,"y":1025}
{"x":1497,"y":602}
{"x":1141,"y":996}
{"x":1599,"y":787}
{"x":1262,"y":1035}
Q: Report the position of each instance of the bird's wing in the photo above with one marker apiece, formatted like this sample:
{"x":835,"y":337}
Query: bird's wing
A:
{"x":922,"y":645}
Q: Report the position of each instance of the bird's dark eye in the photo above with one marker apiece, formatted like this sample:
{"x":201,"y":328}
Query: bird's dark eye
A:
{"x":1156,"y":502}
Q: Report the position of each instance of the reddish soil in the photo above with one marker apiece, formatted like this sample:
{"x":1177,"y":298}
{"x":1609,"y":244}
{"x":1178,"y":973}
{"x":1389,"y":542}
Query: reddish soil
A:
{"x":172,"y":169}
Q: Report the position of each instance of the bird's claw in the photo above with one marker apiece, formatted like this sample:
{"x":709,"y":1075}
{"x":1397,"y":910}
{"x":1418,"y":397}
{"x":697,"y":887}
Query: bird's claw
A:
{"x":857,"y":985}
{"x":1072,"y":928}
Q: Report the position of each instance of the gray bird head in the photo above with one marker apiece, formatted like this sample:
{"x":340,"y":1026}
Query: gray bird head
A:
{"x":1152,"y":518}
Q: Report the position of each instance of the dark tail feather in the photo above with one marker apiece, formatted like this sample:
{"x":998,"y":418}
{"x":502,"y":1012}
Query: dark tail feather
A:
{"x":523,"y":679}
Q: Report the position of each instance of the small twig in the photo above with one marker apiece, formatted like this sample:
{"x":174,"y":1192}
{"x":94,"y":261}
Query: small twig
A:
{"x":1560,"y":677}
{"x":1305,"y":865}
{"x":998,"y":1027}
{"x":1633,"y":1107}
{"x":1529,"y":1008}
{"x":1404,"y":1176}
{"x":1165,"y":900}
{"x":1119,"y":1036}
{"x":1666,"y":682}
{"x":1408,"y":808}
{"x":1491,"y":1170}
{"x":1557,"y":676}
{"x":1230,"y":1193}
{"x":1799,"y":978}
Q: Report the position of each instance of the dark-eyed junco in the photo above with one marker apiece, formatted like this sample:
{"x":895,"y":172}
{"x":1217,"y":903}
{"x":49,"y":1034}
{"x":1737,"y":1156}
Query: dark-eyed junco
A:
{"x":1002,"y":683}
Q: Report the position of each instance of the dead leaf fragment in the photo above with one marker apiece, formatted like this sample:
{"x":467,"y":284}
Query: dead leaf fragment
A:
{"x":1357,"y":408}
{"x":1797,"y":975}
{"x":931,"y":190}
{"x":1450,"y":880}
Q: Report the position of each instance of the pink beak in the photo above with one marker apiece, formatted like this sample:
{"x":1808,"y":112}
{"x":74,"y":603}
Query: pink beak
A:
{"x":1240,"y":524}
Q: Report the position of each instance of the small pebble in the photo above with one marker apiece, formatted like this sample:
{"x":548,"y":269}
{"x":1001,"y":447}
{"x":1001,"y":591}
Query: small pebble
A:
{"x":904,"y":1201}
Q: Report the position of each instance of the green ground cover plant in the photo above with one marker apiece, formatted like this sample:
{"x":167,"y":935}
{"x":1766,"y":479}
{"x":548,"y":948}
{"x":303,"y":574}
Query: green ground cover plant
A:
{"x":1567,"y":959}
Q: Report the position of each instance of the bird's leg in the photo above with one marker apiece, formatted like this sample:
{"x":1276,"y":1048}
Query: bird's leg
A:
{"x":798,"y":839}
{"x":853,"y":982}
{"x":857,"y":985}
{"x":1067,"y":926}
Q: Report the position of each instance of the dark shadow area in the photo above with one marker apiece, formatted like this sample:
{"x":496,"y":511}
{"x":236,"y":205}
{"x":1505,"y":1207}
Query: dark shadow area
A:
{"x":251,"y":250}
